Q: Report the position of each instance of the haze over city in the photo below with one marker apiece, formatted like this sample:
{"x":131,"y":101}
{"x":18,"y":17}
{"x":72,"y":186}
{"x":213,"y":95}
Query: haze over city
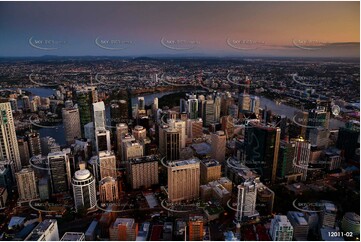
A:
{"x":274,"y":28}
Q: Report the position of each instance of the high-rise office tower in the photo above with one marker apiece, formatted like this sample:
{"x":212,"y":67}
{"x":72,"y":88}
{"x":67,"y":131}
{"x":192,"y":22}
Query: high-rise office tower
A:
{"x":328,"y":214}
{"x":208,"y":112}
{"x":301,"y":156}
{"x":218,"y":146}
{"x":48,"y":145}
{"x":102,"y":140}
{"x":244,"y":102}
{"x":47,"y":230}
{"x":192,"y":104}
{"x":226,"y":103}
{"x":132,"y":149}
{"x":155,"y":105}
{"x":99,"y":115}
{"x":84,"y":190}
{"x":196,"y":230}
{"x":262,"y":146}
{"x":210,"y":170}
{"x":71,"y":121}
{"x":9,"y":149}
{"x":319,"y":117}
{"x":107,"y":164}
{"x":285,"y":159}
{"x":123,"y":229}
{"x":109,"y":190}
{"x":169,"y":142}
{"x":33,"y":106}
{"x":26,"y":103}
{"x":348,"y":140}
{"x":201,"y":102}
{"x":141,"y":103}
{"x":34,"y":142}
{"x":183,"y":180}
{"x":89,"y":132}
{"x":142,"y":172}
{"x":228,"y":126}
{"x":84,"y":100}
{"x":255,"y":104}
{"x":233,"y":111}
{"x":24,"y":152}
{"x":299,"y":224}
{"x":26,"y":183}
{"x":180,"y":125}
{"x":139,"y":132}
{"x":217,"y":108}
{"x":118,"y":112}
{"x":121,"y":129}
{"x":183,"y":105}
{"x":194,"y":128}
{"x":299,"y":126}
{"x":281,"y":229}
{"x":59,"y":172}
{"x":14,"y":104}
{"x":7,"y":175}
{"x":246,"y":201}
{"x":319,"y":137}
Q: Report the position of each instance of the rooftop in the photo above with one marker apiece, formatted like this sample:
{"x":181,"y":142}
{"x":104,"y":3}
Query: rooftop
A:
{"x":184,"y":162}
{"x":73,"y":236}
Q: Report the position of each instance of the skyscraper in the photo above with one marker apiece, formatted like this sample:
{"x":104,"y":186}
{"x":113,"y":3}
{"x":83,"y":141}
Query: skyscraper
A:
{"x":34,"y":142}
{"x":169,"y":142}
{"x":285,"y":159}
{"x":228,"y":126}
{"x":139,"y":132}
{"x":118,"y":112}
{"x":218,"y":150}
{"x":59,"y":171}
{"x":71,"y":121}
{"x":281,"y":229}
{"x":9,"y":149}
{"x":84,"y":100}
{"x":24,"y":152}
{"x":180,"y":125}
{"x":246,"y":201}
{"x":255,"y":104}
{"x":196,"y":229}
{"x":192,"y":109}
{"x":121,"y":129}
{"x":26,"y":183}
{"x":208,"y":112}
{"x":123,"y":229}
{"x":107,"y":164}
{"x":141,"y":103}
{"x":26,"y":103}
{"x":348,"y":140}
{"x":142,"y":172}
{"x":244,"y":102}
{"x":108,"y":190}
{"x":183,"y":180}
{"x":102,"y":140}
{"x":262,"y":146}
{"x":84,"y":190}
{"x":301,"y":156}
{"x":217,"y":108}
{"x":194,"y":128}
{"x":47,"y":230}
{"x":99,"y":115}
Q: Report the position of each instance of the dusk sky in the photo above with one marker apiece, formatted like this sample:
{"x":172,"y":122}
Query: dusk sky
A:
{"x":305,"y":29}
